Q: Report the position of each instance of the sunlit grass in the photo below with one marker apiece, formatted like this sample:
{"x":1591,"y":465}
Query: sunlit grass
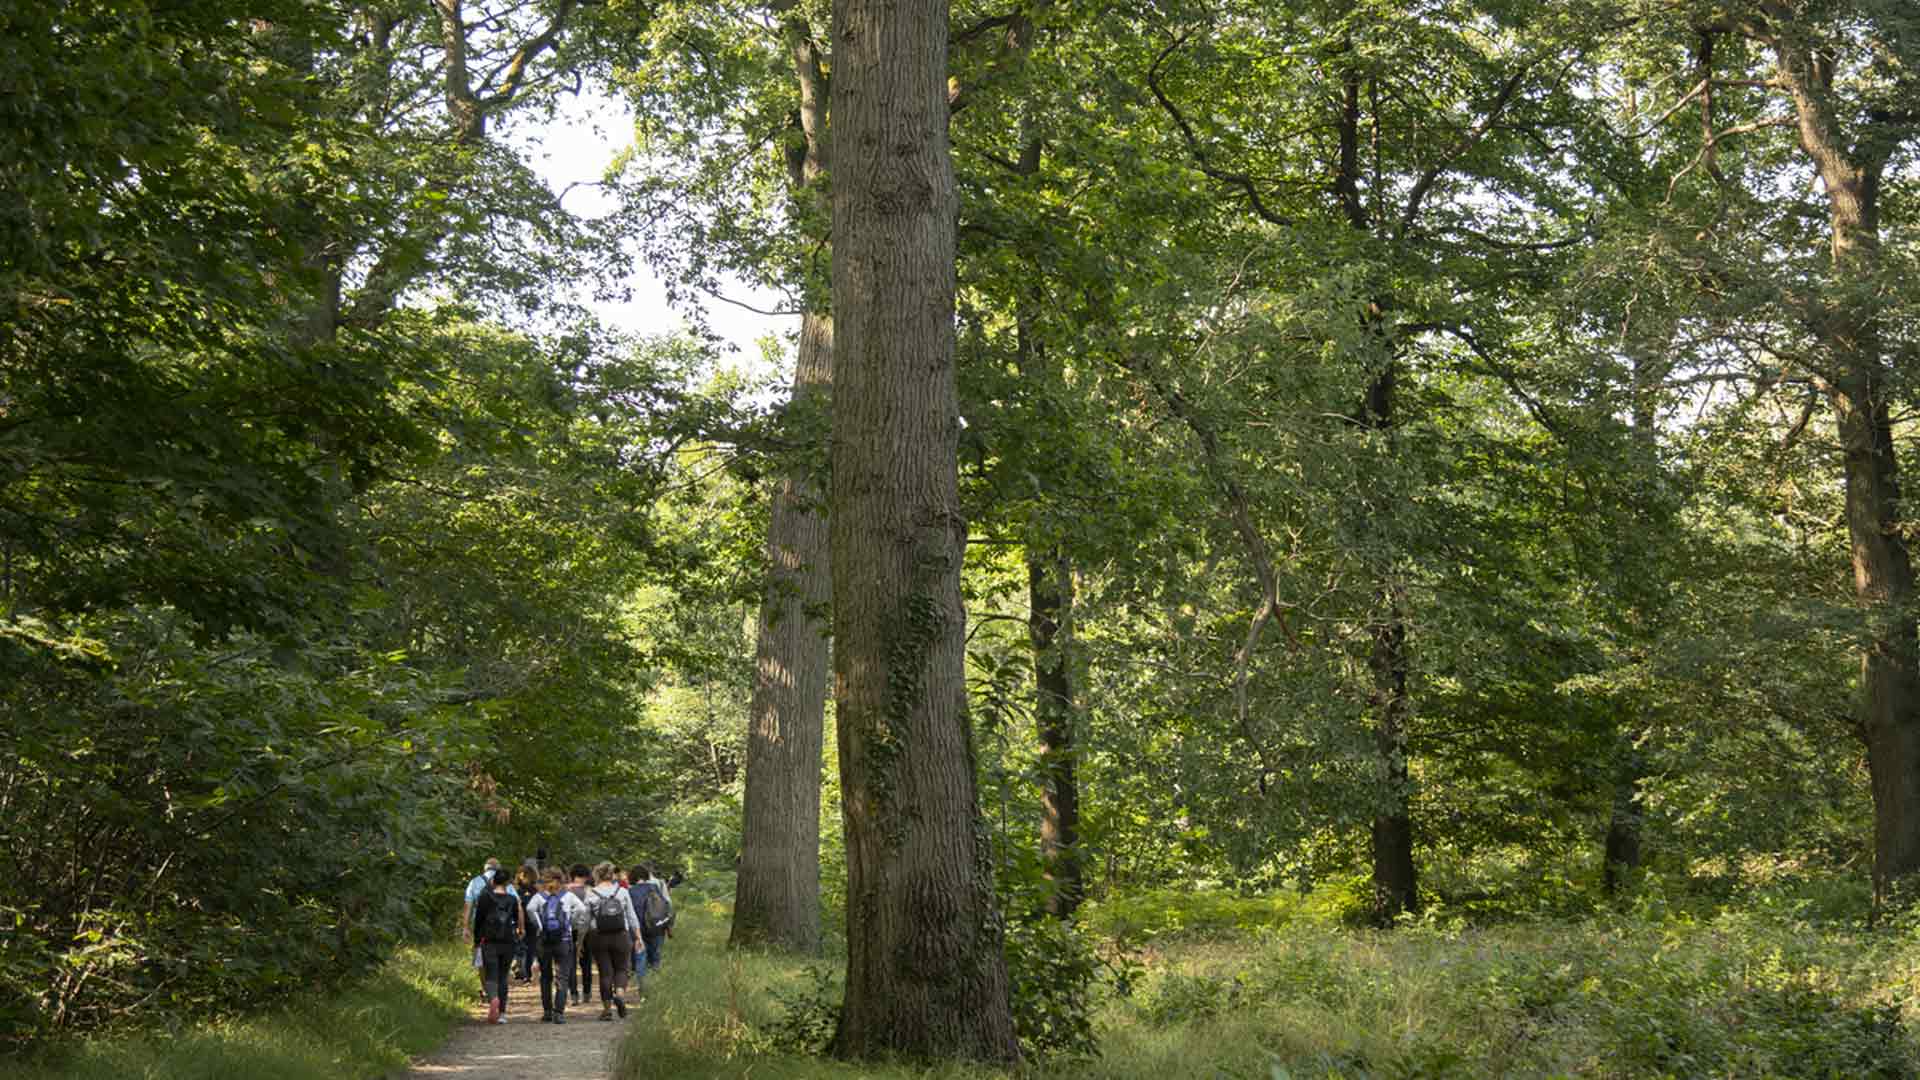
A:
{"x":406,"y":1008}
{"x":1728,"y":996}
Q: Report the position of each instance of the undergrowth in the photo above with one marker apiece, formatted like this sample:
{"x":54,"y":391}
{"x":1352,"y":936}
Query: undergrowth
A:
{"x":369,"y":1030}
{"x":1250,"y":988}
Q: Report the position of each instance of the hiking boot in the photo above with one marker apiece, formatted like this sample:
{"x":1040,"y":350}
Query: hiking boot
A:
{"x":606,"y":1012}
{"x":547,"y":1017}
{"x":559,"y":1018}
{"x":493,"y":1010}
{"x":620,"y":1004}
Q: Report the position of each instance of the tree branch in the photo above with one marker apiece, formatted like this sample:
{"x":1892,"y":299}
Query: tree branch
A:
{"x":1240,"y":180}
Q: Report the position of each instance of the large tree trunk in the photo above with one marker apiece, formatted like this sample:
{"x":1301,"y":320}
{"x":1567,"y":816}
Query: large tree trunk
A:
{"x":1050,"y":596}
{"x":926,"y":964}
{"x":777,"y":898}
{"x":1846,"y":321}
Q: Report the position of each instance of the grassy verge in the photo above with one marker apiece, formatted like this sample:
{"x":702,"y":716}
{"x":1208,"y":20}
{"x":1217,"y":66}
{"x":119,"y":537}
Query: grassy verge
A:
{"x":1730,"y":996}
{"x":369,"y":1030}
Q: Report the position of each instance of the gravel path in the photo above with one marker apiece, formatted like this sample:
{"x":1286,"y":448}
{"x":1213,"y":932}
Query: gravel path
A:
{"x":523,"y":1048}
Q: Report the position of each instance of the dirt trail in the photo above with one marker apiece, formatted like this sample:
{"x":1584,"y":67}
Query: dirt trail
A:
{"x":523,"y":1048}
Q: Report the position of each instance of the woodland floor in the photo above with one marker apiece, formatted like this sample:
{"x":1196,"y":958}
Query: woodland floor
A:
{"x":523,"y":1048}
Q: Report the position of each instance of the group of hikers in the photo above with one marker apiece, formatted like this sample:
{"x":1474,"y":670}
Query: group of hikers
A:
{"x":554,"y":921}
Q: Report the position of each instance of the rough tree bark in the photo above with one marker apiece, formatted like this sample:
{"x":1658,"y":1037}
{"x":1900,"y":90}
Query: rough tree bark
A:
{"x":777,"y":900}
{"x":926,"y":964}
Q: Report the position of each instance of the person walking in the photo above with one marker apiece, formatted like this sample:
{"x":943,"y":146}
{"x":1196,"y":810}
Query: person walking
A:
{"x":654,"y":906}
{"x":480,"y":884}
{"x":526,"y":883}
{"x":615,"y":926}
{"x":499,"y":923}
{"x":580,"y":888}
{"x":553,"y":916}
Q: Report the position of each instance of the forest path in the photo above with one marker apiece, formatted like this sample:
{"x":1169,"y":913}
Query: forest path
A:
{"x":523,"y":1048}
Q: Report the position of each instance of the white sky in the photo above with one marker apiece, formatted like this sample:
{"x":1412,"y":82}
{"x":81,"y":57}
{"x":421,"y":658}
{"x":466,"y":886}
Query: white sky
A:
{"x":583,"y":139}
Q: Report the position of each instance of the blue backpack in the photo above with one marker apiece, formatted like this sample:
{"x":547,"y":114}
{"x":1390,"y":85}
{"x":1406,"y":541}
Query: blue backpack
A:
{"x":555,"y":928}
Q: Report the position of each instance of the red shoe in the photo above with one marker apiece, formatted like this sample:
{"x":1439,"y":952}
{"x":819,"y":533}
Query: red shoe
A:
{"x":493,"y":1010}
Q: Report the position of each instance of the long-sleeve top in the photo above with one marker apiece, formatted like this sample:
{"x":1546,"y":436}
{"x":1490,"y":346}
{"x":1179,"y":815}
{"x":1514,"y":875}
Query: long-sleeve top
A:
{"x":572,"y":910}
{"x":481,"y":907}
{"x":609,"y":890}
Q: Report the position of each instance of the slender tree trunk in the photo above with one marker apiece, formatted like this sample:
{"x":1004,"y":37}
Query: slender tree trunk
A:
{"x":1846,"y":322}
{"x":926,"y":964}
{"x":1049,"y":594}
{"x":1623,"y":826}
{"x":777,"y":899}
{"x":1395,"y":888}
{"x":1395,"y":884}
{"x":1621,"y":854}
{"x":1050,"y":598}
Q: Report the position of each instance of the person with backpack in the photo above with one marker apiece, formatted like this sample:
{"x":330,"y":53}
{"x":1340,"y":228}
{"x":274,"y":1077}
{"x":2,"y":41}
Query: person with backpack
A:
{"x":654,"y":905}
{"x":615,"y":926}
{"x":526,"y":884}
{"x":498,"y":924}
{"x":479,"y":885}
{"x":553,"y":915}
{"x":581,"y":886}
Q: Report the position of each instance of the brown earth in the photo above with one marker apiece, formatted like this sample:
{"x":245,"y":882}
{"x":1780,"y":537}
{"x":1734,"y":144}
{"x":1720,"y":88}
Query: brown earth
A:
{"x":523,"y":1048}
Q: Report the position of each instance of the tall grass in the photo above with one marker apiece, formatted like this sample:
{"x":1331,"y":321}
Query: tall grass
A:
{"x":1728,"y":995}
{"x":370,"y":1030}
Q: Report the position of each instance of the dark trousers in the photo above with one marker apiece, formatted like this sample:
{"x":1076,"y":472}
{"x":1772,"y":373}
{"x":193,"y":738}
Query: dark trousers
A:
{"x":497,"y":963}
{"x":523,"y":956}
{"x":556,"y":966}
{"x":611,"y":954}
{"x":586,"y":966}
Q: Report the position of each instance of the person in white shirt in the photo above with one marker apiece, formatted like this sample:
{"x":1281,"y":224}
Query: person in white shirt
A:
{"x":554,"y":918}
{"x":615,"y":927}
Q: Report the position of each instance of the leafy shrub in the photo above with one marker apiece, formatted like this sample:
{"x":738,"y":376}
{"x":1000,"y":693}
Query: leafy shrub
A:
{"x":1055,"y":974}
{"x":810,"y":1015}
{"x":202,"y":833}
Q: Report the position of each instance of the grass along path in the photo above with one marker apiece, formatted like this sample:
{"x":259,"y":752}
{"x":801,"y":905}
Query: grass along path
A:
{"x":369,"y":1030}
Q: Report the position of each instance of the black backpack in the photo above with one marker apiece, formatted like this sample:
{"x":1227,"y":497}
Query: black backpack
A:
{"x":608,"y":918}
{"x":498,"y":927}
{"x":656,"y":911}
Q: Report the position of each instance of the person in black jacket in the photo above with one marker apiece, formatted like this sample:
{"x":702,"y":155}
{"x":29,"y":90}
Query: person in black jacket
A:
{"x":498,"y":925}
